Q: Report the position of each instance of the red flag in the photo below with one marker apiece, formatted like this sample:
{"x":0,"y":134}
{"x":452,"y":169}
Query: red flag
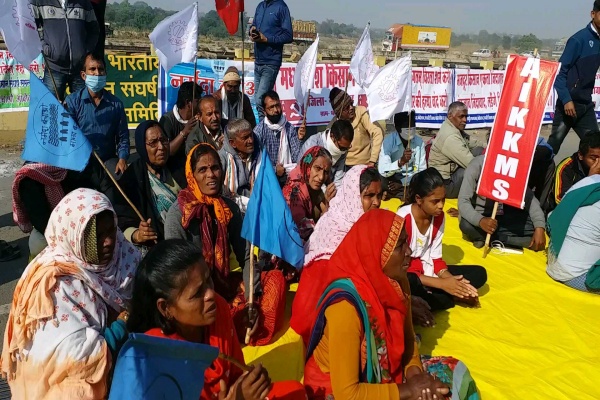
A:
{"x":527,"y":86}
{"x":229,"y":11}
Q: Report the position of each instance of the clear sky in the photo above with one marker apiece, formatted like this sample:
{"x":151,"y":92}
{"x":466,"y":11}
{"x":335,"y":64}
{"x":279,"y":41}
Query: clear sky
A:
{"x":544,"y":18}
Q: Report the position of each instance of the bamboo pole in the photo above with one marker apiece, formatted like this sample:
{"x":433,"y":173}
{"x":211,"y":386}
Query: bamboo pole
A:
{"x":486,"y":248}
{"x":251,"y":296}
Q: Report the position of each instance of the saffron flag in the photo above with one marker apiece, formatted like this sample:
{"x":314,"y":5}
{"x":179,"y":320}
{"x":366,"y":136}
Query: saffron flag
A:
{"x":154,"y":368}
{"x":362,"y":64}
{"x":176,"y":38}
{"x":229,"y":11}
{"x":527,"y":85}
{"x":52,"y":137}
{"x":390,"y":91}
{"x":304,"y":75}
{"x":19,"y":30}
{"x":268,"y":223}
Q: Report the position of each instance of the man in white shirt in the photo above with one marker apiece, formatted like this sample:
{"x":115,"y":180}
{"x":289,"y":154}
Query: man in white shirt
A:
{"x":398,"y":161}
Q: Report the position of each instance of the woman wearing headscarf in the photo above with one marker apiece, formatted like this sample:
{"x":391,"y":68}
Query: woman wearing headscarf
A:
{"x":60,"y":336}
{"x":150,"y":185}
{"x":362,"y":343}
{"x":303,"y":192}
{"x":214,"y":223}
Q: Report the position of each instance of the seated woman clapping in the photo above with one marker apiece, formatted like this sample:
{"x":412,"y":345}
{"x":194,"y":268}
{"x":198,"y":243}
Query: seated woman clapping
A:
{"x":174,"y":298}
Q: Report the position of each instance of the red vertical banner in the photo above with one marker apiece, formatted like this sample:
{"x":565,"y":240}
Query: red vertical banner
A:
{"x":527,"y":85}
{"x":229,"y":11}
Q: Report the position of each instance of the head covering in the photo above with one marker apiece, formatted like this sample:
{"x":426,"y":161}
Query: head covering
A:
{"x":194,"y":205}
{"x":336,"y":97}
{"x":67,"y":255}
{"x":232,"y":75}
{"x":361,"y":257}
{"x":344,"y":210}
{"x":140,"y":139}
{"x":296,"y":191}
{"x":49,"y":176}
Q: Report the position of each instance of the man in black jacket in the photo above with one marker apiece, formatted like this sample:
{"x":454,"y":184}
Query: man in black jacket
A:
{"x":68,"y":30}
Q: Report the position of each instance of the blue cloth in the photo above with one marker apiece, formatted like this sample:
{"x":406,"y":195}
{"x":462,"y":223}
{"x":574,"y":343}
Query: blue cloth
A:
{"x":268,"y":223}
{"x":272,"y":18}
{"x":579,"y":63}
{"x":52,"y":137}
{"x":269,"y":140}
{"x":264,"y":80}
{"x":115,"y":336}
{"x":104,"y":125}
{"x":154,"y":368}
{"x":73,"y":81}
{"x":392,"y":150}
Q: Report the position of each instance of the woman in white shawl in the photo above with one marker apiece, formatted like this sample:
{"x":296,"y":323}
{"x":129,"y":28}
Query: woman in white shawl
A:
{"x":59,"y":338}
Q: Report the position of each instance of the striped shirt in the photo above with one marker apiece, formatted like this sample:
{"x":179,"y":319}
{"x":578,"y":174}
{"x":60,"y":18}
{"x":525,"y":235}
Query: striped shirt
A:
{"x":269,"y":140}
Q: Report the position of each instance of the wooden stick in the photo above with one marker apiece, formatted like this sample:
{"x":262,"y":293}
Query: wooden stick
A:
{"x":235,"y":362}
{"x":114,"y":181}
{"x":51,"y":77}
{"x":251,"y":297}
{"x":486,"y":249}
{"x":408,"y":147}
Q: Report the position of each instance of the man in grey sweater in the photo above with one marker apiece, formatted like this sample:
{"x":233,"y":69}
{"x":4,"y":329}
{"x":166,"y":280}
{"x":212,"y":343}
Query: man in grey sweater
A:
{"x":512,"y":226}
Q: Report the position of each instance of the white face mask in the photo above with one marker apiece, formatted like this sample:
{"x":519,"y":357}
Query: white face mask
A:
{"x":335,"y":152}
{"x":408,"y":133}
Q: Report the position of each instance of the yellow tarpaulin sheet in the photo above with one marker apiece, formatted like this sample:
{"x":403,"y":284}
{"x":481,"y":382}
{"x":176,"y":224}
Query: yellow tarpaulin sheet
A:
{"x":531,"y":339}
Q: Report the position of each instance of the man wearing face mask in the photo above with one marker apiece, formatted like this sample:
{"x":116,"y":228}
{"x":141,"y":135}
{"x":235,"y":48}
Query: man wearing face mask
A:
{"x":337,"y":140}
{"x":397,"y":161}
{"x":278,"y":137}
{"x":101,"y":116}
{"x":229,"y":99}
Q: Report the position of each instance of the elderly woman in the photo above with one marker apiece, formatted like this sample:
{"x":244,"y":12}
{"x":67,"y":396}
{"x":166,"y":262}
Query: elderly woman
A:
{"x":59,"y":339}
{"x":303,"y":192}
{"x":213,"y":222}
{"x":150,"y":185}
{"x":174,"y":298}
{"x":362,"y":343}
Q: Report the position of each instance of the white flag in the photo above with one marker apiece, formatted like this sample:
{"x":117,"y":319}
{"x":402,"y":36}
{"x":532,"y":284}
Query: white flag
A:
{"x":176,"y":38}
{"x":363,"y":65}
{"x":304,"y":75}
{"x":390,"y":91}
{"x":19,"y":31}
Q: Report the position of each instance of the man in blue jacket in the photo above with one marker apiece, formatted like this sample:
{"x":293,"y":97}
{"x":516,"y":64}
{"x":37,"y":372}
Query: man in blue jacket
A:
{"x":575,"y":83}
{"x":271,"y":29}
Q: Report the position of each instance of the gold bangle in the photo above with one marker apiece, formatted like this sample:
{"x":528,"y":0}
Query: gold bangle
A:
{"x":442,"y":272}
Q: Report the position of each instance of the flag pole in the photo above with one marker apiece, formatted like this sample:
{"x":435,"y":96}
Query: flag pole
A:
{"x":486,"y":249}
{"x":251,"y":296}
{"x":407,"y":148}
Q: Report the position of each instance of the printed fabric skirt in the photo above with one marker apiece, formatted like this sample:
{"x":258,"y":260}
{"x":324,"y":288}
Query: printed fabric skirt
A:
{"x":453,"y":373}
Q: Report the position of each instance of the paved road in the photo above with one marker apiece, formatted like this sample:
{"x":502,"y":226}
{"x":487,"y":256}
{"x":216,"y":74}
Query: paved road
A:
{"x":11,"y":271}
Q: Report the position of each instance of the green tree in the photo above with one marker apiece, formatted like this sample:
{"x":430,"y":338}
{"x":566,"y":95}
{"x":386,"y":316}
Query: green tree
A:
{"x":484,"y":38}
{"x":506,"y":42}
{"x":528,"y":43}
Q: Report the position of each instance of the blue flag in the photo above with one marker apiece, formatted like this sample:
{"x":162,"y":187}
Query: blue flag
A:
{"x":153,"y":368}
{"x":52,"y":136}
{"x":268,"y":223}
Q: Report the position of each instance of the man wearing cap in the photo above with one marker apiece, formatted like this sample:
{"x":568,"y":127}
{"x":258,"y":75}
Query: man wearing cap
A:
{"x":229,"y":98}
{"x":368,"y":136}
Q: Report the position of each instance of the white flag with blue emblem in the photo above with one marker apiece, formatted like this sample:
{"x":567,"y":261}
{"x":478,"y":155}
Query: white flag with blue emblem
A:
{"x":176,"y":38}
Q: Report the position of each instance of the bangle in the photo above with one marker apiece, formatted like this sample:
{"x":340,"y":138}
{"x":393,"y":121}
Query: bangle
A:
{"x":439,"y":274}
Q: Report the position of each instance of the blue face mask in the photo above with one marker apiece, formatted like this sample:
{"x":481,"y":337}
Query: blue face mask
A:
{"x":95,"y":82}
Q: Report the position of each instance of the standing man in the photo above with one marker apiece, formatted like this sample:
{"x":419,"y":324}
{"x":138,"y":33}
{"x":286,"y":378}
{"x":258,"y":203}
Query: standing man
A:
{"x":68,"y":30}
{"x":99,"y":10}
{"x":271,"y":29}
{"x":450,"y":152}
{"x":101,"y":116}
{"x":368,"y":135}
{"x":575,"y":83}
{"x":233,"y":102}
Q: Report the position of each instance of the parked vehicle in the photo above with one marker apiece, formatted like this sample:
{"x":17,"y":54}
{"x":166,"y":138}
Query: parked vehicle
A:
{"x":416,"y":37}
{"x":482,"y":53}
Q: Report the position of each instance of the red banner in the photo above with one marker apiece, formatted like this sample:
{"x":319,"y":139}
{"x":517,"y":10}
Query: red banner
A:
{"x":527,"y":86}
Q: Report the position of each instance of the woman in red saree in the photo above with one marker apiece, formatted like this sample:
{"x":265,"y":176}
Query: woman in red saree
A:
{"x":362,"y":344}
{"x":214,"y":223}
{"x":174,"y":298}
